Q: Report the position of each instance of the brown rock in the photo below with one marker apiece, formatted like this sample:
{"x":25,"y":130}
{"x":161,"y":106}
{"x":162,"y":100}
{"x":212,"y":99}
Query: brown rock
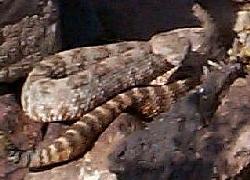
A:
{"x":241,"y":46}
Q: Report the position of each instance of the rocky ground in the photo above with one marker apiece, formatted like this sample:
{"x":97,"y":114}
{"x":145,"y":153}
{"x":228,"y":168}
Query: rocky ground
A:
{"x":23,"y":37}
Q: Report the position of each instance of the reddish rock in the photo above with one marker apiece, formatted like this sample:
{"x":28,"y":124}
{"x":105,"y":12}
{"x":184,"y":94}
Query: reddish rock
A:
{"x":17,"y":134}
{"x":23,"y":132}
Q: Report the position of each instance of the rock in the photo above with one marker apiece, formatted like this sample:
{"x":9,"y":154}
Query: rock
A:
{"x":17,"y":134}
{"x":95,"y":164}
{"x":226,"y":141}
{"x":241,"y":46}
{"x":238,"y":112}
{"x":23,"y":133}
{"x":9,"y":111}
{"x":29,"y":32}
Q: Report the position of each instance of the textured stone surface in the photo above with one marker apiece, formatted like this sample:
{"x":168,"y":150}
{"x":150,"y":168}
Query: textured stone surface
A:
{"x":236,"y":109}
{"x":241,"y":45}
{"x":29,"y":32}
{"x":9,"y":110}
{"x":16,"y":134}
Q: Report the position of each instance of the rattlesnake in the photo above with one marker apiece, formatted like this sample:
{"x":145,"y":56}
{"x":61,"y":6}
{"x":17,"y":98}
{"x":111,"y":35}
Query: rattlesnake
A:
{"x":71,"y":83}
{"x":37,"y":87}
